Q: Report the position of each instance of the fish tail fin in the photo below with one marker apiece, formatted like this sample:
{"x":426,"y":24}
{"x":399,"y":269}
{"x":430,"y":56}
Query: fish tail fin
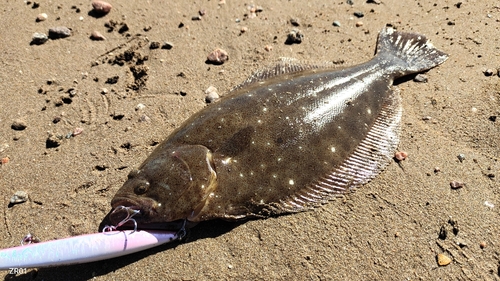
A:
{"x":406,"y":53}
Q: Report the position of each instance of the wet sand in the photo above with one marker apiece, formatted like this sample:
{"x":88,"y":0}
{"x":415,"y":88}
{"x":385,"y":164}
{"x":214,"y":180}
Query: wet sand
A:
{"x":389,"y":229}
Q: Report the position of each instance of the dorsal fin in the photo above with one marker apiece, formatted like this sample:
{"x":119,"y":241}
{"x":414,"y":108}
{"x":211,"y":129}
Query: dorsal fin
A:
{"x":284,"y":66}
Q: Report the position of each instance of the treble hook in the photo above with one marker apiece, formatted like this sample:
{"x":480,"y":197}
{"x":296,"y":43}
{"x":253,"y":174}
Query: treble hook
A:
{"x":130,"y":213}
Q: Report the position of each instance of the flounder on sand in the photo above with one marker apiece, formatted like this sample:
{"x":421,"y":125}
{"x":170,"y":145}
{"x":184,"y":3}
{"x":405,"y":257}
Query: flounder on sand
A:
{"x":288,"y":139}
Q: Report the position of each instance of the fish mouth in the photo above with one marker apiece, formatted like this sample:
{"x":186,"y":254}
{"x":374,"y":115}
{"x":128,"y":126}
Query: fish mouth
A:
{"x":124,"y":207}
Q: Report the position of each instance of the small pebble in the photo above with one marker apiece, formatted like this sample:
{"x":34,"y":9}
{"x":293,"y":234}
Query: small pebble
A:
{"x":167,"y":46}
{"x":77,"y":131}
{"x":59,"y":32}
{"x":420,"y":78}
{"x":336,"y":23}
{"x":443,"y":260}
{"x":294,"y":37}
{"x":18,"y":125}
{"x":19,"y":197}
{"x":202,"y":12}
{"x":39,"y":38}
{"x":196,"y":18}
{"x":53,"y":141}
{"x":218,"y":56}
{"x":5,"y":160}
{"x":489,"y":72}
{"x":373,"y":2}
{"x":461,"y":157}
{"x":268,"y":48}
{"x":359,"y":24}
{"x":482,"y":245}
{"x":244,"y":29}
{"x":437,"y":170}
{"x":456,"y":184}
{"x":41,"y":17}
{"x":97,"y":36}
{"x":294,"y":22}
{"x":400,"y":155}
{"x":139,"y":107}
{"x":101,"y":7}
{"x":154,"y":45}
{"x":144,"y":118}
{"x":211,"y":95}
{"x":359,"y":14}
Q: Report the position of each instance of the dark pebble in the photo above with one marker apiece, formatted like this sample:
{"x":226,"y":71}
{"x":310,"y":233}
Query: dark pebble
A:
{"x":59,"y":32}
{"x":359,"y":14}
{"x":18,"y":125}
{"x":196,"y":18}
{"x":154,"y":45}
{"x":53,"y":141}
{"x":336,"y":23}
{"x":493,"y":118}
{"x":294,"y":37}
{"x":112,"y":80}
{"x":294,"y":22}
{"x":489,"y":72}
{"x":167,"y":45}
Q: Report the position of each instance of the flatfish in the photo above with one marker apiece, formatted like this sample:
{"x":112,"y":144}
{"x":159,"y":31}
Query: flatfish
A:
{"x":288,"y":139}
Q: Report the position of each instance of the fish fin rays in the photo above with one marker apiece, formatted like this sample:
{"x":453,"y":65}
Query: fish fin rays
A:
{"x":284,"y":66}
{"x":407,"y":52}
{"x":369,"y":158}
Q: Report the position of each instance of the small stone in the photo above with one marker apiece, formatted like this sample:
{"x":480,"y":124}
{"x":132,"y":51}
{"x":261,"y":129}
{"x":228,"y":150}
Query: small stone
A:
{"x":202,"y":12}
{"x":336,"y":23}
{"x":294,"y":22}
{"x":482,"y":245}
{"x":77,"y":131}
{"x":443,"y":260}
{"x":59,"y":32}
{"x":268,"y":48}
{"x":456,"y":184}
{"x":19,"y":197}
{"x":196,"y":18}
{"x":5,"y":160}
{"x":53,"y":141}
{"x":97,"y":36}
{"x":18,"y":125}
{"x":144,"y":118}
{"x":211,"y":94}
{"x":39,"y":38}
{"x":359,"y":24}
{"x":437,"y":170}
{"x":489,"y":72}
{"x":294,"y":37}
{"x":420,"y":78}
{"x":154,"y":45}
{"x":373,"y":2}
{"x":139,"y":107}
{"x":461,"y":157}
{"x":400,"y":155}
{"x":167,"y":46}
{"x":101,"y":7}
{"x":41,"y":17}
{"x":359,"y":14}
{"x":244,"y":29}
{"x":218,"y":56}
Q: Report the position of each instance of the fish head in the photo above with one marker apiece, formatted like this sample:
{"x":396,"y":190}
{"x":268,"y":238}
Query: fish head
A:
{"x":172,"y":184}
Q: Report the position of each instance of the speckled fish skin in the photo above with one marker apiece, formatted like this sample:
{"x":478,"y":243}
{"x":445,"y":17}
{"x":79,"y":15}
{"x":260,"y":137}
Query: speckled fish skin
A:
{"x":288,"y":139}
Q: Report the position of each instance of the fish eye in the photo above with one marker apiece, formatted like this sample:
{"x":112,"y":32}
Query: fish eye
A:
{"x":141,"y":188}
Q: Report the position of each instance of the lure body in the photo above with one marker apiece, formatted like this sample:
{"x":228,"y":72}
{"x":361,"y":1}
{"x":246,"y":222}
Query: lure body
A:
{"x":83,"y":248}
